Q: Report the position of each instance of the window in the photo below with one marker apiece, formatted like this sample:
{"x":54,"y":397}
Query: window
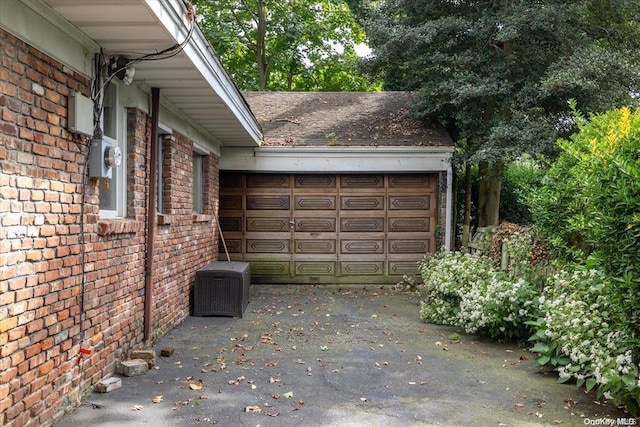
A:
{"x":198,"y":180}
{"x":113,"y":191}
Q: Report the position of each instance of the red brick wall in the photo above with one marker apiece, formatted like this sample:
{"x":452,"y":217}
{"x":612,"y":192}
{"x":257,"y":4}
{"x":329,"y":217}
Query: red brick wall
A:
{"x":47,"y":311}
{"x":184,"y":241}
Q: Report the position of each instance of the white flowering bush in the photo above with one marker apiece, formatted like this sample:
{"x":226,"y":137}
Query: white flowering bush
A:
{"x":464,"y":290}
{"x":580,"y":335}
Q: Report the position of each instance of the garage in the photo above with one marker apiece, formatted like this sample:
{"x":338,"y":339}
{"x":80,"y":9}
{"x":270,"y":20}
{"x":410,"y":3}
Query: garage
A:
{"x":328,"y":228}
{"x":345,"y":188}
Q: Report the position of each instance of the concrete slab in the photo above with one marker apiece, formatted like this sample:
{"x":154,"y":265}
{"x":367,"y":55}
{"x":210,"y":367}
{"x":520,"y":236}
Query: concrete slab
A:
{"x":331,"y":356}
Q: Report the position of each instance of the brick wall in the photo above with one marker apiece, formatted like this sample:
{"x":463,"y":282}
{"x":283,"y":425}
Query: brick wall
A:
{"x":49,"y":309}
{"x":184,"y":241}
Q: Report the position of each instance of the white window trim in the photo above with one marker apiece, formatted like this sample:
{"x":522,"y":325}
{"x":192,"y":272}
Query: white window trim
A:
{"x":121,"y":171}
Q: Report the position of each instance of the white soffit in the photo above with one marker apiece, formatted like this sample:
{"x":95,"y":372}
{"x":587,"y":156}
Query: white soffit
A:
{"x":193,"y":81}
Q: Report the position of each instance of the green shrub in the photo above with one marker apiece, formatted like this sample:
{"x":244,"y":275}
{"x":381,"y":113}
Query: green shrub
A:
{"x":588,"y":209}
{"x":520,"y":179}
{"x":581,"y":336}
{"x":464,"y":290}
{"x":590,"y":200}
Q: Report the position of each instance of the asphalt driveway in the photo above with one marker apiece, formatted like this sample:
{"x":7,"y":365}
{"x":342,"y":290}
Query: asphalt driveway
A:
{"x":338,"y":356}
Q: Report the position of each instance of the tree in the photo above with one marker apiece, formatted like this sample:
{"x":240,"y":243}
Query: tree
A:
{"x":499,"y":74}
{"x":285,"y":45}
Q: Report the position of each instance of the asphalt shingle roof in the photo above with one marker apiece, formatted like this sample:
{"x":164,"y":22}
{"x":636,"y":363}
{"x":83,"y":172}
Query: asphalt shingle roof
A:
{"x":341,"y":119}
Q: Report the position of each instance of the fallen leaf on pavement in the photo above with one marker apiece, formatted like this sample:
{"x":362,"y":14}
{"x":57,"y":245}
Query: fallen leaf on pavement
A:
{"x":253,"y":409}
{"x":136,"y":407}
{"x":157,"y":399}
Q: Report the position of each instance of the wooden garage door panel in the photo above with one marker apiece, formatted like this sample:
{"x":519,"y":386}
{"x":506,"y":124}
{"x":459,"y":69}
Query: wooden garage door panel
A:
{"x":399,"y":268}
{"x":234,"y":246}
{"x":273,"y":246}
{"x":275,"y":202}
{"x":229,"y":180}
{"x":269,"y":268}
{"x":405,"y":246}
{"x":361,"y":268}
{"x":309,"y":224}
{"x":265,"y":224}
{"x":362,"y":246}
{"x":268,"y":181}
{"x":315,"y":203}
{"x":315,"y":181}
{"x":231,"y":202}
{"x":409,"y":224}
{"x":315,"y":246}
{"x":230,"y":223}
{"x":315,"y":228}
{"x":361,"y":181}
{"x":409,"y":202}
{"x":362,"y":203}
{"x":315,"y":268}
{"x":350,"y":225}
{"x":411,"y":181}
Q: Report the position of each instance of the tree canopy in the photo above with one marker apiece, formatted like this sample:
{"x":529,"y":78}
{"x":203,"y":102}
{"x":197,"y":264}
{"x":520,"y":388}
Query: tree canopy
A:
{"x":499,"y":74}
{"x":285,"y":45}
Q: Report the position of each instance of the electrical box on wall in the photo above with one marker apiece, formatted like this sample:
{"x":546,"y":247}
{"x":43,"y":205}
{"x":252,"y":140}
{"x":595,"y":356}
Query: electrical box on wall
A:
{"x":80,"y":114}
{"x":104,"y":155}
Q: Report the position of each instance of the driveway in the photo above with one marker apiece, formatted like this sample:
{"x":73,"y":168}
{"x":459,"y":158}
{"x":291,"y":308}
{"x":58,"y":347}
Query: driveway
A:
{"x":338,"y":356}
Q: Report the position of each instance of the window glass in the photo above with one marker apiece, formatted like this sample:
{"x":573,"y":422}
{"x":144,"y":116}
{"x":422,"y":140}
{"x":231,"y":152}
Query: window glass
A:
{"x":197,"y":182}
{"x":109,"y":112}
{"x":112,"y":191}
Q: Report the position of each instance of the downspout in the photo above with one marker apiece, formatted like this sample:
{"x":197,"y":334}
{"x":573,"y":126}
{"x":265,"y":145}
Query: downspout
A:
{"x":151,"y":215}
{"x":449,"y":208}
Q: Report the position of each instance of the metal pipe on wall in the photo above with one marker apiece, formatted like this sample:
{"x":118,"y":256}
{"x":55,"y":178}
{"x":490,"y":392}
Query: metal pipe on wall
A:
{"x":151,"y":214}
{"x":448,"y":223}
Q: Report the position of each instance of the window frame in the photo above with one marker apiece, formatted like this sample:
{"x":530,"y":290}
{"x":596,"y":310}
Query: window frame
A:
{"x":197,"y":187}
{"x":120,"y":172}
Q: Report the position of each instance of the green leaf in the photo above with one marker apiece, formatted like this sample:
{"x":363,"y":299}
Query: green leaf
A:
{"x":563,"y":380}
{"x":543,"y":360}
{"x":540,"y":347}
{"x":562,"y":361}
{"x":590,"y":383}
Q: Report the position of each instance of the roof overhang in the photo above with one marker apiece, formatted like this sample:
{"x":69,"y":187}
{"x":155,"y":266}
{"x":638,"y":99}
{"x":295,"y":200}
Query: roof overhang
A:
{"x":368,"y":159}
{"x":193,"y":82}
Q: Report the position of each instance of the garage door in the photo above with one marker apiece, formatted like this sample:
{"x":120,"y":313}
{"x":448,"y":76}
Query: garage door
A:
{"x":308,"y":228}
